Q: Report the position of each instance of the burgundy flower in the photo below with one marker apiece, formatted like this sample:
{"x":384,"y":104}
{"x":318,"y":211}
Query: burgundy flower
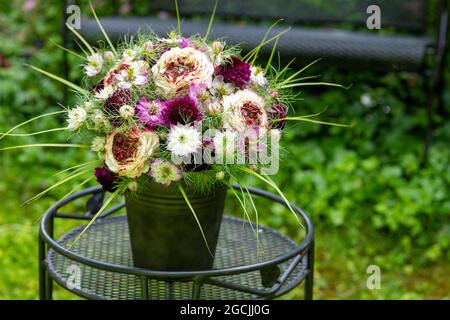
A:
{"x":180,"y":111}
{"x":106,"y":178}
{"x":277,"y":111}
{"x":116,"y":100}
{"x":237,"y":72}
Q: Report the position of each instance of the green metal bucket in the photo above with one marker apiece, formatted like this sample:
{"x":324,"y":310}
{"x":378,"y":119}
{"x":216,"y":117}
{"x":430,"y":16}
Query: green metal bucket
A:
{"x":163,"y":231}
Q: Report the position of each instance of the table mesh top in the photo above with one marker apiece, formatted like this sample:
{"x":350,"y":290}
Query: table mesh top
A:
{"x":107,"y":240}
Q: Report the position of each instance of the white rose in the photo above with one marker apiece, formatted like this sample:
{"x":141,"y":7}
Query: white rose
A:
{"x":129,"y":155}
{"x":178,"y":68}
{"x":244,"y":109}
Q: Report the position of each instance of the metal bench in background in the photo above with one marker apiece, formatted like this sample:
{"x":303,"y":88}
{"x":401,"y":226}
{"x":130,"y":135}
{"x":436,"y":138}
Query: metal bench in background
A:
{"x":413,"y":45}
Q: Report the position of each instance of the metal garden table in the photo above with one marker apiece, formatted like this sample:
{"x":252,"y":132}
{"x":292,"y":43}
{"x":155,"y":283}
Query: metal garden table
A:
{"x":99,"y":265}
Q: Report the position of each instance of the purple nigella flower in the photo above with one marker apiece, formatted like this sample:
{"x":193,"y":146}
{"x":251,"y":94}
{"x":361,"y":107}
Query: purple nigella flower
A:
{"x":237,"y":72}
{"x":277,"y":111}
{"x":182,"y":110}
{"x":149,"y":112}
{"x":196,"y":90}
{"x":184,"y":43}
{"x":106,"y":178}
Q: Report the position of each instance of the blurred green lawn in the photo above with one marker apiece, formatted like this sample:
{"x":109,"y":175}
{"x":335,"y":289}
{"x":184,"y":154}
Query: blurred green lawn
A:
{"x":371,"y":200}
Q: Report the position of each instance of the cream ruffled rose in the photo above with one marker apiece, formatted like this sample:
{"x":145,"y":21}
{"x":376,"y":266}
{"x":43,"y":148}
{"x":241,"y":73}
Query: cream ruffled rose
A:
{"x":179,"y":68}
{"x":129,"y":155}
{"x":244,"y":109}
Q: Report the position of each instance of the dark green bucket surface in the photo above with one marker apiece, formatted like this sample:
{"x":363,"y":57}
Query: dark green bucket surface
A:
{"x":164,"y":233}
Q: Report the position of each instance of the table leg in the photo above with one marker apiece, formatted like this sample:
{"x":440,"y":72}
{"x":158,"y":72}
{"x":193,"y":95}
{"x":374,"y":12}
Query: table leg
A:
{"x":196,"y":288}
{"x":42,"y":273}
{"x":309,"y":281}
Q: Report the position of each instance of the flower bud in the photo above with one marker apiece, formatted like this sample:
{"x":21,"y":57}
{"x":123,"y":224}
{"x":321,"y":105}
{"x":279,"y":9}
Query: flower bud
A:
{"x":109,"y":55}
{"x":220,"y":175}
{"x":98,"y":144}
{"x":126,"y":112}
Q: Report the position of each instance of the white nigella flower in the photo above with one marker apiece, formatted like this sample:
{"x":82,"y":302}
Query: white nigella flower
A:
{"x":164,"y":172}
{"x":105,"y":93}
{"x":219,"y":87}
{"x":136,"y":74}
{"x":98,"y":144}
{"x":126,"y":112}
{"x":76,"y":118}
{"x":94,"y":65}
{"x":257,"y":77}
{"x":183,"y":140}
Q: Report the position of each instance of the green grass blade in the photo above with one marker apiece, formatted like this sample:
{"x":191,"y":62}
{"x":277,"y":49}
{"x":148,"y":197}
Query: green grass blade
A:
{"x":211,"y":20}
{"x":177,"y":10}
{"x":314,"y":121}
{"x":105,"y":205}
{"x":103,"y":30}
{"x":57,"y":78}
{"x":50,"y":145}
{"x":267,"y":180}
{"x":272,"y":53}
{"x":304,"y":84}
{"x":256,"y":223}
{"x":78,"y":186}
{"x":284,"y":70}
{"x":242,"y":203}
{"x":258,"y":47}
{"x":79,"y":36}
{"x":39,"y":195}
{"x":286,"y":81}
{"x":33,"y":133}
{"x":78,"y":166}
{"x":28,"y":121}
{"x":195,"y":216}
{"x":69,"y":51}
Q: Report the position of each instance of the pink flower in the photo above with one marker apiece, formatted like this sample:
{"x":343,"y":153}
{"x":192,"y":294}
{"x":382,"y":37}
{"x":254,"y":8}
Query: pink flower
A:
{"x":196,"y":90}
{"x":149,"y":112}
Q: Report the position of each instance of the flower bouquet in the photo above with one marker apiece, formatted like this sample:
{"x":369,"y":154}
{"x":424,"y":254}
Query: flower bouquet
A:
{"x":174,"y":121}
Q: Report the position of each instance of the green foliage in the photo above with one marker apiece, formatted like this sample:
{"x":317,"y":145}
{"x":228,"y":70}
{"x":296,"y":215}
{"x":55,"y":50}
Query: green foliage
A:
{"x":372,"y":200}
